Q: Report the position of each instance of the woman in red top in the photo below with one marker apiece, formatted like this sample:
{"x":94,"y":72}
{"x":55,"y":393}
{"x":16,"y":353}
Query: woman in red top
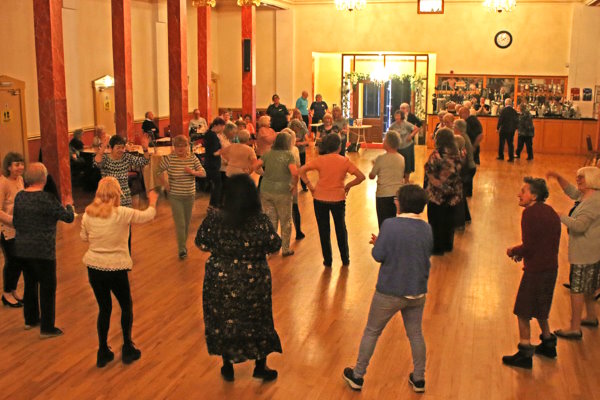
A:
{"x":330,"y":193}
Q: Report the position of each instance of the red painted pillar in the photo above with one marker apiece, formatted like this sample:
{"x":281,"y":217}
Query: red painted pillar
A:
{"x":178,"y":81}
{"x":249,"y":77}
{"x":204,"y":62}
{"x":49,"y":52}
{"x":121,"y":43}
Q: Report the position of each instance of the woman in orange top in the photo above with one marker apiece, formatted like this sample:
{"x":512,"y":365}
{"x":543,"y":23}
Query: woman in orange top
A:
{"x":329,"y":195}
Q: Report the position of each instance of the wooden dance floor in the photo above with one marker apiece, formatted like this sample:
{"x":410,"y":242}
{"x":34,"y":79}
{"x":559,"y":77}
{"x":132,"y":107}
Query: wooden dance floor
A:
{"x":319,"y":313}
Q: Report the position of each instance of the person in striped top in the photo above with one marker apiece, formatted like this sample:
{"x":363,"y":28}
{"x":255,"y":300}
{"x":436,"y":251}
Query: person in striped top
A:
{"x":181,"y":168}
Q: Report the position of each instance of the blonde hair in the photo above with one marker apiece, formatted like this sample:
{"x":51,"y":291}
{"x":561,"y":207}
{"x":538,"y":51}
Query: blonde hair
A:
{"x":292,"y":135}
{"x":264,"y":121}
{"x":591,"y":175}
{"x":180,"y":141}
{"x":328,"y":115}
{"x":108,"y":196}
{"x":243,"y":136}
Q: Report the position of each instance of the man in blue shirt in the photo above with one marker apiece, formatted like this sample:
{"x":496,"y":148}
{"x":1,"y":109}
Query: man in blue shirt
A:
{"x":403,"y":248}
{"x":302,"y":105}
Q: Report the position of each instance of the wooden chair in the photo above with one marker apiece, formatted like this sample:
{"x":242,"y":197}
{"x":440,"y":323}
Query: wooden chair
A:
{"x":593,"y":155}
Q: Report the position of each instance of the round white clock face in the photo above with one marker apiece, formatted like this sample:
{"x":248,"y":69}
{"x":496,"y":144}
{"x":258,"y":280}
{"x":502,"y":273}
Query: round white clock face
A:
{"x":503,"y":39}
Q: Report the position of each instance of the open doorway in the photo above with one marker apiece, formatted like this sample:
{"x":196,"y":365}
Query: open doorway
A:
{"x":104,"y":103}
{"x":374,"y":86}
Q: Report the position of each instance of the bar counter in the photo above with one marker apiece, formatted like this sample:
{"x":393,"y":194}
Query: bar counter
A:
{"x":552,"y":135}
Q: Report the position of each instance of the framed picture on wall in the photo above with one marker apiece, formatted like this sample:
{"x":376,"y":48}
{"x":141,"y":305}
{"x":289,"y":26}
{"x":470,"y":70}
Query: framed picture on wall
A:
{"x":575,"y":94}
{"x":587,"y":94}
{"x":597,"y":101}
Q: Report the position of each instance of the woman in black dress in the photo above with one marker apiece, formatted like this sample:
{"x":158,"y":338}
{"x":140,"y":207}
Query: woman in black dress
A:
{"x":236,"y":297}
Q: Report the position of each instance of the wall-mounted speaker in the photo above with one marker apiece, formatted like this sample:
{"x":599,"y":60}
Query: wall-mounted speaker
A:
{"x":247,"y":51}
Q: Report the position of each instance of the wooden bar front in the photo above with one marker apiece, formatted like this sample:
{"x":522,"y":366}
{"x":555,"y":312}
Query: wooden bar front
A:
{"x":552,"y":136}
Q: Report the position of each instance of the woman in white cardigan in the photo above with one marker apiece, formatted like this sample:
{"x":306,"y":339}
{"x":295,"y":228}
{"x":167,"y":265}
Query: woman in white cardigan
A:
{"x":105,"y":225}
{"x":583,"y":223}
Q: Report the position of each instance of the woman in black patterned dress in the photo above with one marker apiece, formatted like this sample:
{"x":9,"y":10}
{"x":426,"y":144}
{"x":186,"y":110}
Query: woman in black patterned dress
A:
{"x":236,"y":298}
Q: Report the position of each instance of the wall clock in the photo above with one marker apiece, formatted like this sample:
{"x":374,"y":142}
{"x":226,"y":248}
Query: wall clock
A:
{"x":503,"y":39}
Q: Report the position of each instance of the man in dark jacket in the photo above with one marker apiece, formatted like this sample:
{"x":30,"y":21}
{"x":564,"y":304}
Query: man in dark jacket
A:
{"x":507,"y":125}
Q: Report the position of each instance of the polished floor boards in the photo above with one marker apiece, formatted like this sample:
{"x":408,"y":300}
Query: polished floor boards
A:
{"x":319,"y":313}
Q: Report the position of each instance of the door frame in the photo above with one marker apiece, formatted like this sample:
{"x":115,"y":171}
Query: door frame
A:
{"x":8,"y":83}
{"x":96,"y":87}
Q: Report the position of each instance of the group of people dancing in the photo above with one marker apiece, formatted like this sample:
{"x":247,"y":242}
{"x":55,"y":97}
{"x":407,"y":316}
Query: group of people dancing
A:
{"x":246,"y":222}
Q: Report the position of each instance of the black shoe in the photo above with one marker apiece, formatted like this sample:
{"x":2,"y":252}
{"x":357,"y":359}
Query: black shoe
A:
{"x":547,"y":348}
{"x":522,"y":358}
{"x":326,"y":265}
{"x":300,"y":236}
{"x":499,"y":158}
{"x":569,"y":335}
{"x":510,"y":160}
{"x":354,"y":383}
{"x":7,"y":303}
{"x":418,"y":386}
{"x":567,"y":285}
{"x":529,"y":158}
{"x":265,"y":373}
{"x":51,"y":333}
{"x":129,"y":353}
{"x":227,"y":371}
{"x":183,"y":254}
{"x":590,"y":323}
{"x":104,"y":356}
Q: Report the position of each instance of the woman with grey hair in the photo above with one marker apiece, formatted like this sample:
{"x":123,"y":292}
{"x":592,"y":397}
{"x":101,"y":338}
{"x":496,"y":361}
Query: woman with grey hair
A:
{"x":389,"y":170}
{"x":280,"y":178}
{"x":583,"y":224}
{"x":11,"y":183}
{"x":35,"y":216}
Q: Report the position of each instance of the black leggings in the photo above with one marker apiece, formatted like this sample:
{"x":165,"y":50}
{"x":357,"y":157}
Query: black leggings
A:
{"x":12,"y":268}
{"x":104,"y":282}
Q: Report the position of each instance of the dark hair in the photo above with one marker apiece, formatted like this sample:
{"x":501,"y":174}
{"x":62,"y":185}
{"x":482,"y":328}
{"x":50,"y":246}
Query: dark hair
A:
{"x":77,"y":132}
{"x":216,"y":122}
{"x":273,"y":97}
{"x":240,"y":200}
{"x":248,"y":116}
{"x":117,"y":140}
{"x":411,"y":199}
{"x":330,"y":144}
{"x":399,"y":111}
{"x":444,"y":142}
{"x":537,"y":187}
{"x":10,"y":158}
{"x":283,"y":141}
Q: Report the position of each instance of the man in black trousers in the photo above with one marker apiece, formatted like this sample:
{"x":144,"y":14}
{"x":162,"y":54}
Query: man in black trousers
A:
{"x":507,"y":125}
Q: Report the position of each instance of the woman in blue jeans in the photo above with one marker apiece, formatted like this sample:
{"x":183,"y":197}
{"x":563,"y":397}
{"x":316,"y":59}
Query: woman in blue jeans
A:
{"x":403,"y":248}
{"x":330,"y":193}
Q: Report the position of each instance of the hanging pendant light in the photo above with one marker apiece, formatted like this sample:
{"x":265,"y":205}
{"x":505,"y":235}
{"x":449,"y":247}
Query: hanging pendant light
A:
{"x":349,"y":5}
{"x":500,"y":5}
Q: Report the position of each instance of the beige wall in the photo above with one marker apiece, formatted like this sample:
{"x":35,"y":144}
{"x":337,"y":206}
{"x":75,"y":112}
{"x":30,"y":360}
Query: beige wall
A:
{"x":584,"y":63}
{"x":328,"y":73}
{"x":462,"y":38}
{"x":230,"y":57}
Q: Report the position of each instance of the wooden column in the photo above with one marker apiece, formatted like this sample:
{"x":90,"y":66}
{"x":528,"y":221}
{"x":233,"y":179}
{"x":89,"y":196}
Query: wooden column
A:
{"x":178,"y":82}
{"x":49,"y":52}
{"x":204,"y":62}
{"x":121,"y":43}
{"x":249,"y":77}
